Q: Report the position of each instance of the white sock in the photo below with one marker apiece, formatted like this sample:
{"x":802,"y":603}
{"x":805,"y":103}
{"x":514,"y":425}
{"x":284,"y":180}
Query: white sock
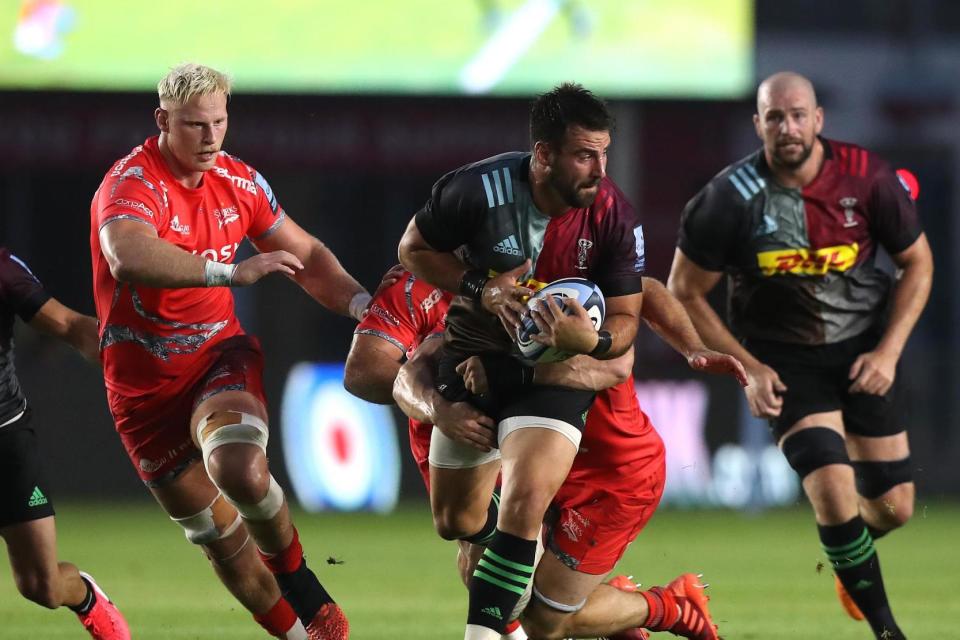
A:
{"x":476,"y":632}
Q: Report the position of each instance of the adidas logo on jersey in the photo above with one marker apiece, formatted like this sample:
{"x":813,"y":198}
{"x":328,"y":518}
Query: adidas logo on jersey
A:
{"x":37,"y":498}
{"x":508,"y":246}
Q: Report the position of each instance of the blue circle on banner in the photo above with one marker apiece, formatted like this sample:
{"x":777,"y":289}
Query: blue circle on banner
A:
{"x":341,"y":452}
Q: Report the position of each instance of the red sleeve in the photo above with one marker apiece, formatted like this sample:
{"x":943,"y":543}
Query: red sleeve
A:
{"x":133,"y":195}
{"x":405,"y":313}
{"x":268,"y":215}
{"x":894,"y":220}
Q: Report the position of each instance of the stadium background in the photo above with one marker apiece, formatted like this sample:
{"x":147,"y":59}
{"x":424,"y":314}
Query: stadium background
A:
{"x":351,"y":163}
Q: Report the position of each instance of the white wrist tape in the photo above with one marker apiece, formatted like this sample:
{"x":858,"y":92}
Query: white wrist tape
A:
{"x":358,"y":305}
{"x":218,"y":274}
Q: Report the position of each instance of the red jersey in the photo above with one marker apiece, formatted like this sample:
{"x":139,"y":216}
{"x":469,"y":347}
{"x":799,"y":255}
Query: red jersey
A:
{"x":149,"y":337}
{"x":617,"y":431}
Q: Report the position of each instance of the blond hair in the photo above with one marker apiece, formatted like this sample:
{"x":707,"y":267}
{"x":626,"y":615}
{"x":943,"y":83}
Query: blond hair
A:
{"x":189,"y":79}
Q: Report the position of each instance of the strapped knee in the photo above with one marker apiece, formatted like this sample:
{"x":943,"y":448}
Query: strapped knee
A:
{"x":215,"y":522}
{"x":233,"y":427}
{"x":558,"y":606}
{"x":810,"y":449}
{"x":876,"y":478}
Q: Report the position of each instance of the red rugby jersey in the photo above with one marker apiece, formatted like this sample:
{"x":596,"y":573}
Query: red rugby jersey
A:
{"x":148,"y":336}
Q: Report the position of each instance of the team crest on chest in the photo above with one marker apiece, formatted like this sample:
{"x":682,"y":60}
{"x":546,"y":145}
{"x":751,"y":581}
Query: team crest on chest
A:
{"x":226,"y":215}
{"x":583,"y":247}
{"x":848,"y":204}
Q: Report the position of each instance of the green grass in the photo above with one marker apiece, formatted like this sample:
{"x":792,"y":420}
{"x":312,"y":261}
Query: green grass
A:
{"x":397,"y":579}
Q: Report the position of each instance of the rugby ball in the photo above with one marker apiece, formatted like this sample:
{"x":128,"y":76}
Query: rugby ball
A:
{"x":584,"y":291}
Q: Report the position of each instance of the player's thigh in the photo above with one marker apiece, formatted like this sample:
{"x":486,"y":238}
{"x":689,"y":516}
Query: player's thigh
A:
{"x":32,"y":548}
{"x":468,"y":489}
{"x":535,"y":462}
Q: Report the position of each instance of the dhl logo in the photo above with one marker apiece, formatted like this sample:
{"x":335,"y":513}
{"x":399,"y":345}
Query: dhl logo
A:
{"x":808,"y":262}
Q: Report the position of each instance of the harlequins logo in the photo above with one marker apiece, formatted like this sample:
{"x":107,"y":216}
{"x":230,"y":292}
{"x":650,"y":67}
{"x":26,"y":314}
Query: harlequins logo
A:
{"x":583,"y":246}
{"x":37,"y":498}
{"x":848,"y":204}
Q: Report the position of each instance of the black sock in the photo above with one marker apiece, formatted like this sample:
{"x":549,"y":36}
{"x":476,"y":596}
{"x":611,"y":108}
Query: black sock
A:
{"x":483,"y":536}
{"x":88,"y":601}
{"x":303,"y":591}
{"x":875,"y":533}
{"x":501,"y":577}
{"x":850,"y":550}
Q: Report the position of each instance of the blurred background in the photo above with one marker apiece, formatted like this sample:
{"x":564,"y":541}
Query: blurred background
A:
{"x":353,"y":110}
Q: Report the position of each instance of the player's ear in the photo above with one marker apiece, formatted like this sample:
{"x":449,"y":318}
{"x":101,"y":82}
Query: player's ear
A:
{"x":757,"y":125}
{"x":162,"y":116}
{"x":543,"y":153}
{"x":818,"y":120}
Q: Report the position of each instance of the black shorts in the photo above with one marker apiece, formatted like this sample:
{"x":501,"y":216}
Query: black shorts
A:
{"x":562,"y":404}
{"x":24,"y":493}
{"x":818,"y":380}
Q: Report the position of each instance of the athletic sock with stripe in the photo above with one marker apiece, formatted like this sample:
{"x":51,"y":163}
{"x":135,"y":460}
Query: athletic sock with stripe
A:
{"x":501,"y":577}
{"x":854,"y":559}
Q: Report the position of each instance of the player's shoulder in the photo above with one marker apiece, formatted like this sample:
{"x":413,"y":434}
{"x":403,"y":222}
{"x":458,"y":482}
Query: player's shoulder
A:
{"x":491,"y":177}
{"x":740,"y":181}
{"x":854,"y":161}
{"x":140,"y":161}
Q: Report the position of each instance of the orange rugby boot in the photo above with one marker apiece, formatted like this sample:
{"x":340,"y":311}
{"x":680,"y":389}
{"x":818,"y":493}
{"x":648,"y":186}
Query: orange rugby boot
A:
{"x":694,"y":621}
{"x":104,"y":621}
{"x":846,"y":601}
{"x":330,"y":623}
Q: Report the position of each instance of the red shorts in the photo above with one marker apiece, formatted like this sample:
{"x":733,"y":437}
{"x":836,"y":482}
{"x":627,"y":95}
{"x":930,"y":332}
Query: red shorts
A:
{"x":420,"y":433}
{"x":598,"y":512}
{"x":155,"y":431}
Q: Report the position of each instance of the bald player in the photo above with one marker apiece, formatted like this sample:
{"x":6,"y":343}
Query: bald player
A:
{"x":796,"y":226}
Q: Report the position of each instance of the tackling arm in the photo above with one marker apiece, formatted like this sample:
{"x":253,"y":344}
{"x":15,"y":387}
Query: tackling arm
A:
{"x":371,"y":369}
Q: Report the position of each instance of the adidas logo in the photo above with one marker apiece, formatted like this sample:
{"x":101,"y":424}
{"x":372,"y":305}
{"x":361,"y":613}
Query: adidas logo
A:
{"x":493,"y":612}
{"x":508,"y":246}
{"x":37,"y":498}
{"x":863,"y":584}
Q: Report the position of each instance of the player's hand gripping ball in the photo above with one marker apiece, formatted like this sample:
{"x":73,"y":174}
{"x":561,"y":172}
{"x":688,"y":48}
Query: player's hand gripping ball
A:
{"x":584,"y":291}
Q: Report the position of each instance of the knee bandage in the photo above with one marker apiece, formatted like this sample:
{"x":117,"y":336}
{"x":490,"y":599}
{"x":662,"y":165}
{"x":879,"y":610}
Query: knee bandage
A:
{"x":810,"y":449}
{"x":558,"y":606}
{"x":233,"y":427}
{"x":876,"y":478}
{"x":215,"y":522}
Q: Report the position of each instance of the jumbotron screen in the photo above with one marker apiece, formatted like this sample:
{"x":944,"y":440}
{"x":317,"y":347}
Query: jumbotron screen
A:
{"x":618,"y":48}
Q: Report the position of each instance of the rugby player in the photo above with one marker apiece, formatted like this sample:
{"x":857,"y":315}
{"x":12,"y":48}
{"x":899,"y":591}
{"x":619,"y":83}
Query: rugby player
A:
{"x":26,"y":508}
{"x":183,"y":379}
{"x":796,"y":226}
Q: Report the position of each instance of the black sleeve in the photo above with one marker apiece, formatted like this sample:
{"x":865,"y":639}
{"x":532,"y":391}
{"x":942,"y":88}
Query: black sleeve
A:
{"x":19,"y":288}
{"x":893,"y":215}
{"x":620,"y":273}
{"x":454,"y":212}
{"x":708,"y":228}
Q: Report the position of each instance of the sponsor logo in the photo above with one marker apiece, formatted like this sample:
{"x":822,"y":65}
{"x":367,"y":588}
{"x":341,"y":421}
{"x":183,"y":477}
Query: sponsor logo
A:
{"x":226,"y":216}
{"x":641,"y":262}
{"x":379,"y":311}
{"x":583,"y":246}
{"x":431,"y":300}
{"x":848,"y":204}
{"x":508,"y":246}
{"x":135,"y":205}
{"x":808,"y":262}
{"x":267,"y":191}
{"x":767,"y":226}
{"x":118,"y":169}
{"x":240,"y":183}
{"x":226,"y":253}
{"x":182,"y":229}
{"x":37,"y":498}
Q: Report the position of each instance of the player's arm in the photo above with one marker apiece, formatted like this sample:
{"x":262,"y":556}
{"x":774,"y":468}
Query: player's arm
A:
{"x":322,"y":275}
{"x":666,"y":316}
{"x":499,"y":295}
{"x":691,"y":283}
{"x":417,"y":397}
{"x":76,"y":329}
{"x":372,"y":366}
{"x":135,"y":254}
{"x":584,"y":372}
{"x":874,"y":372}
